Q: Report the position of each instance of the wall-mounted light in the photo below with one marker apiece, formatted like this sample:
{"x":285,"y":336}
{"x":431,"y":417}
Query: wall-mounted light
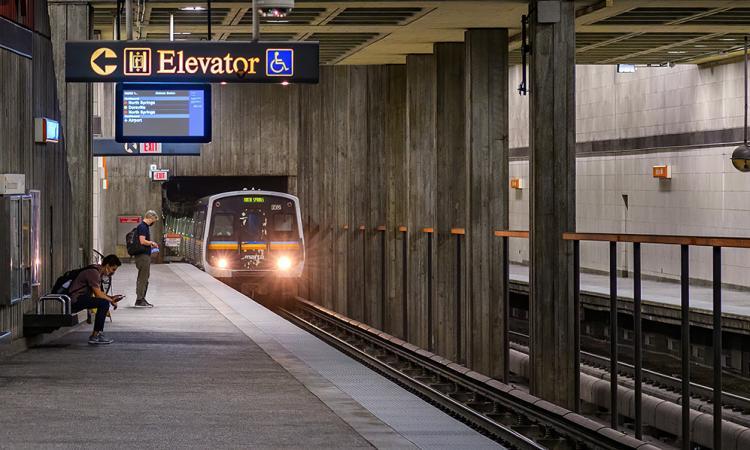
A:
{"x":662,"y":172}
{"x":46,"y":130}
{"x":517,"y":183}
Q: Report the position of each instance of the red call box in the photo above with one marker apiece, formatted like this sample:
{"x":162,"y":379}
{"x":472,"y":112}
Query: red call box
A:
{"x":129,"y":219}
{"x":664,"y":172}
{"x":160,"y":175}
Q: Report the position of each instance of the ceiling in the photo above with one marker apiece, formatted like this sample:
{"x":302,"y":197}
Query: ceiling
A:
{"x":655,"y":32}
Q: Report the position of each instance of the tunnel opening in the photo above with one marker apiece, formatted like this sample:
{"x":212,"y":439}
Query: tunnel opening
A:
{"x":179,"y":194}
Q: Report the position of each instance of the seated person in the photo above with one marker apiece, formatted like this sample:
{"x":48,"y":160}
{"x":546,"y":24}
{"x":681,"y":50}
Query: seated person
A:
{"x":86,"y":293}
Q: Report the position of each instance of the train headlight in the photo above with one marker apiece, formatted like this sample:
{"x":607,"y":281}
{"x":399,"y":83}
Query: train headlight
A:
{"x":222,"y":263}
{"x":284,"y":263}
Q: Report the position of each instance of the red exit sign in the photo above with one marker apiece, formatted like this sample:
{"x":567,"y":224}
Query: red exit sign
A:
{"x":160,"y":175}
{"x":150,"y":147}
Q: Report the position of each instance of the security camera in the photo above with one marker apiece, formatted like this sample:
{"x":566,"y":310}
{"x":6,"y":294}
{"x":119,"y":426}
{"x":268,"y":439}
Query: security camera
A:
{"x":274,"y":8}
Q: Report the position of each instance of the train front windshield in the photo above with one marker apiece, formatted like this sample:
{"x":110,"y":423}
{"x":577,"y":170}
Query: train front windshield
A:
{"x":254,"y":233}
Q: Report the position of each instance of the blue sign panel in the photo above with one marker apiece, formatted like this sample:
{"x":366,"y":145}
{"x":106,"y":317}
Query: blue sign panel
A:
{"x":110,"y":147}
{"x":156,"y":112}
{"x":279,"y":62}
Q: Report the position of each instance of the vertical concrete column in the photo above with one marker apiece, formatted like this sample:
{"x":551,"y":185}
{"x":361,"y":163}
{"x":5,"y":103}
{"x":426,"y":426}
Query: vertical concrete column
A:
{"x":421,"y":101}
{"x":71,"y":21}
{"x":487,"y":162}
{"x":397,"y":204}
{"x":552,"y":209}
{"x":452,"y":206}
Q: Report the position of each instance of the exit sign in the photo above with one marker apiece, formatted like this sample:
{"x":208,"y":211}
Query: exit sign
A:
{"x":160,"y":175}
{"x":150,"y":147}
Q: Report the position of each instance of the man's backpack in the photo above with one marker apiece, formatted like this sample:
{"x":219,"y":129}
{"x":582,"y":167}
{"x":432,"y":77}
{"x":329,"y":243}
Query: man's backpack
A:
{"x":132,"y":243}
{"x":63,"y":283}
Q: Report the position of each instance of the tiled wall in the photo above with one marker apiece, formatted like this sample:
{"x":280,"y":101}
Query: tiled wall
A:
{"x":706,"y":197}
{"x":651,"y":101}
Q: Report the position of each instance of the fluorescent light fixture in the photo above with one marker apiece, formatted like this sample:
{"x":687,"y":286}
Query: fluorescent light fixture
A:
{"x":676,"y":52}
{"x":727,"y":39}
{"x":192,"y":8}
{"x":626,"y":68}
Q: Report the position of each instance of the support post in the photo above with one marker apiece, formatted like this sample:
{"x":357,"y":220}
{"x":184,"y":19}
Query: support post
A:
{"x":685,"y":343}
{"x":552,"y":208}
{"x":256,"y":22}
{"x":129,"y":19}
{"x":487,"y":195}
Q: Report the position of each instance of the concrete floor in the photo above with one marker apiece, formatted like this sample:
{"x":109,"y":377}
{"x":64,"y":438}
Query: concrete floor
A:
{"x":207,"y":368}
{"x":179,"y":375}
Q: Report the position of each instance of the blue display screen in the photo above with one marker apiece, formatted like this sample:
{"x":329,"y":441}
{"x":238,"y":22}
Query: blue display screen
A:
{"x":163,"y":113}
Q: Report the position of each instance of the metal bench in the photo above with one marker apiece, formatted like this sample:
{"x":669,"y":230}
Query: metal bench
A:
{"x":41,"y":322}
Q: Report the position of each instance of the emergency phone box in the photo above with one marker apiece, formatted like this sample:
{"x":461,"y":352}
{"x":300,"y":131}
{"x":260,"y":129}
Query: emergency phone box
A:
{"x":12,"y":183}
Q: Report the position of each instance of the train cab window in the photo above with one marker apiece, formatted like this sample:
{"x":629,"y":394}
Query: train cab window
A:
{"x":252,"y":223}
{"x":283,"y":222}
{"x":223,"y":226}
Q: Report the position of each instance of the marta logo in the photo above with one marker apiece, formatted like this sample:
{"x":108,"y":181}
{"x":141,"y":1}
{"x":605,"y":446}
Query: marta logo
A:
{"x":99,"y":60}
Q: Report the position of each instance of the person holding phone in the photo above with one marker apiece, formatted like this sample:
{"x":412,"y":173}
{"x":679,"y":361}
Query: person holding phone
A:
{"x":86,"y":293}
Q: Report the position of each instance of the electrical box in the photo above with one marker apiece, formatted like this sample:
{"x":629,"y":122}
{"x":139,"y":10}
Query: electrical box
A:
{"x":12,"y":183}
{"x":663,"y":172}
{"x":18,"y":251}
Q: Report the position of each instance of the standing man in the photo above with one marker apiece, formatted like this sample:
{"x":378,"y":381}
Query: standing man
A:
{"x":143,"y":260}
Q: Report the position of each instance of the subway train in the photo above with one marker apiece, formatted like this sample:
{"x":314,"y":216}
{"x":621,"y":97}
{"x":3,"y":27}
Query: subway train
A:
{"x":243,"y":235}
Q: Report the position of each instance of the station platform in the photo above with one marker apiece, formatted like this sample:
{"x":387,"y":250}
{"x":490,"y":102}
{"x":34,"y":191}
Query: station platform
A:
{"x":661,"y":297}
{"x":208,"y":367}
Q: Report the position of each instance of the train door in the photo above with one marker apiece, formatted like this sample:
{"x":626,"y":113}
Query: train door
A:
{"x":253,"y":235}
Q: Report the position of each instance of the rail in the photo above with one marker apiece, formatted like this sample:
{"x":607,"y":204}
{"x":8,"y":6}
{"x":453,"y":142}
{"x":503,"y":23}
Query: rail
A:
{"x":685,"y":242}
{"x":509,"y":416}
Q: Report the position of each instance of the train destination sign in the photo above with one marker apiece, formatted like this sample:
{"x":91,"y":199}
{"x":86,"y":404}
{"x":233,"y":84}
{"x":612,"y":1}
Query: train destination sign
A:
{"x":174,"y":62}
{"x":161,"y":112}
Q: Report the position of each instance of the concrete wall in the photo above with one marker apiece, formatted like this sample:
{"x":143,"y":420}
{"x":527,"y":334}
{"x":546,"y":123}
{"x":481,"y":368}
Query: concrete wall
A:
{"x":254,"y":133}
{"x":706,"y":195}
{"x":28,"y":89}
{"x":651,"y":101}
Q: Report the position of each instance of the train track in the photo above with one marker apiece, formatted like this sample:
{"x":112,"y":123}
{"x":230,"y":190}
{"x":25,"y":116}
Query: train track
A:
{"x":657,"y":380}
{"x":509,"y":417}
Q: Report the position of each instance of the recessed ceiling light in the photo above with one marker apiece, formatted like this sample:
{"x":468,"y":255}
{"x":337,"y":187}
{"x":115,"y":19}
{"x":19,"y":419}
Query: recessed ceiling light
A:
{"x":192,"y":8}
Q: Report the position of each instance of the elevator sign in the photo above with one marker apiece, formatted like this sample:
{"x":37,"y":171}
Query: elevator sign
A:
{"x":174,"y":62}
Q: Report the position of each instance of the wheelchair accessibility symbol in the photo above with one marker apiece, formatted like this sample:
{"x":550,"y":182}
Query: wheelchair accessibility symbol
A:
{"x":279,"y":62}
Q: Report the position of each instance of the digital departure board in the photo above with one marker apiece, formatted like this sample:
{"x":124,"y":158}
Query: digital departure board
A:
{"x":150,"y":112}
